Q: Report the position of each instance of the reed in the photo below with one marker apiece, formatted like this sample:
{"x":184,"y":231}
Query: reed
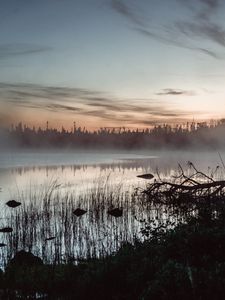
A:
{"x":45,"y":224}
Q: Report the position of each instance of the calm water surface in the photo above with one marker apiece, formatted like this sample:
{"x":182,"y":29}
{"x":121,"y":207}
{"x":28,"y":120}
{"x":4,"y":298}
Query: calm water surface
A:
{"x":95,"y":182}
{"x":21,"y":172}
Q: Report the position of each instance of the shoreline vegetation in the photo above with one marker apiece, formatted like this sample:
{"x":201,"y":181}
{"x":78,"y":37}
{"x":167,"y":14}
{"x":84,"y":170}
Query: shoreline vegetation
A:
{"x":178,"y":254}
{"x":183,"y":263}
{"x":61,"y":227}
{"x":192,"y":135}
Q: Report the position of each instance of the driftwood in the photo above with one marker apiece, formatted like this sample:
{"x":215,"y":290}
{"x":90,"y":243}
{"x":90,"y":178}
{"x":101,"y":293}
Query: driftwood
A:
{"x":184,"y":188}
{"x":200,"y":186}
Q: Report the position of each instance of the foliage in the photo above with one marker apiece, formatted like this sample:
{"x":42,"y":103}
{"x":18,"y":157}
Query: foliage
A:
{"x":206,"y":136}
{"x":187,"y":262}
{"x":183,"y":260}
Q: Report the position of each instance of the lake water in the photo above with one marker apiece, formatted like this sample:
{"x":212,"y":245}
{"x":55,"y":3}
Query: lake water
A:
{"x":50,"y":185}
{"x":21,"y":172}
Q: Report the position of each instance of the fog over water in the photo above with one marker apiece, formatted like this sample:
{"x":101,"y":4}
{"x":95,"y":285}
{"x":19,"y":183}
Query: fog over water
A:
{"x":23,"y":171}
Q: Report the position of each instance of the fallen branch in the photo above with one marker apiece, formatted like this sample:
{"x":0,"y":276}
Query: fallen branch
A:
{"x":184,"y":188}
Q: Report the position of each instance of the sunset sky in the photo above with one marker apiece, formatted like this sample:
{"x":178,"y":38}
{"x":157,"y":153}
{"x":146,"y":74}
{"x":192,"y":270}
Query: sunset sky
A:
{"x":111,"y":62}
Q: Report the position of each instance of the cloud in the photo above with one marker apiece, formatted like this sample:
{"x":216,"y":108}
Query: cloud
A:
{"x":202,"y":8}
{"x":126,"y":11}
{"x":58,"y":107}
{"x":14,"y":50}
{"x":211,"y":3}
{"x":176,"y":43}
{"x":89,"y":103}
{"x":40,"y":92}
{"x":205,"y":30}
{"x":175,"y":92}
{"x":179,"y":28}
{"x":201,"y":26}
{"x":208,"y":4}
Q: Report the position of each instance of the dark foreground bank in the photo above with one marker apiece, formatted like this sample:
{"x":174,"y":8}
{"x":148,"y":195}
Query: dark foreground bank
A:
{"x":187,"y":262}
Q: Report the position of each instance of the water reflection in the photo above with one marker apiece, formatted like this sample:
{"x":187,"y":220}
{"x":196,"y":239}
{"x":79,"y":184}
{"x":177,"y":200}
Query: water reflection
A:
{"x":121,"y":168}
{"x":50,"y":193}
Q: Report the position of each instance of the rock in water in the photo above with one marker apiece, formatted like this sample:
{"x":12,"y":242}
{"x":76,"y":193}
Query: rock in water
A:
{"x":79,"y":212}
{"x":2,"y":245}
{"x":6,"y":229}
{"x":23,"y":258}
{"x":116,"y":212}
{"x":146,"y":176}
{"x":50,"y":238}
{"x":13,"y":203}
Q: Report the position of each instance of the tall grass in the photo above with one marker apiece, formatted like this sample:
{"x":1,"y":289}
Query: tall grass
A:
{"x":48,"y":212}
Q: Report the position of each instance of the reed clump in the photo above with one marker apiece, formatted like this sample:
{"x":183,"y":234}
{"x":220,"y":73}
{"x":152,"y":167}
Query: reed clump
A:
{"x":46,"y":223}
{"x":167,"y":242}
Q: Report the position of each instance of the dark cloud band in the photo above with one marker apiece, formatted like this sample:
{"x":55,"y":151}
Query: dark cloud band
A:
{"x":13,"y":50}
{"x":88,"y":103}
{"x":199,"y":28}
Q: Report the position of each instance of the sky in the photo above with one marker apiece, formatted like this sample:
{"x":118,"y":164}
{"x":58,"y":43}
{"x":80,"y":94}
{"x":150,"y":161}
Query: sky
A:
{"x":111,"y":63}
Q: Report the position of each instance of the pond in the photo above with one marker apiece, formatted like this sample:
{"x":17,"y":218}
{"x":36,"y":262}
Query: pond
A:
{"x":23,"y":171}
{"x":51,"y":185}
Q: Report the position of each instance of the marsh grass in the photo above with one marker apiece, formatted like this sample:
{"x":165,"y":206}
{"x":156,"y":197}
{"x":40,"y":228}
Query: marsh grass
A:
{"x":99,"y":256}
{"x":48,"y":212}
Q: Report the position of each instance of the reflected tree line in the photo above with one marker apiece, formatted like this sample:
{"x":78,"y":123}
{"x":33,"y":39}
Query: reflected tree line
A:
{"x":194,"y":134}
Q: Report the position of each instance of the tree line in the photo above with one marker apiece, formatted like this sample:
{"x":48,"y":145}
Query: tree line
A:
{"x":194,"y":134}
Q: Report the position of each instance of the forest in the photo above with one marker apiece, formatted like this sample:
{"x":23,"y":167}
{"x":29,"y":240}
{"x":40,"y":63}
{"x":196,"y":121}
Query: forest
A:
{"x":207,"y":135}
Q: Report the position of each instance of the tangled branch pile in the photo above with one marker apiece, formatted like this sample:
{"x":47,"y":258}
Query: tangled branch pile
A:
{"x":186,"y":189}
